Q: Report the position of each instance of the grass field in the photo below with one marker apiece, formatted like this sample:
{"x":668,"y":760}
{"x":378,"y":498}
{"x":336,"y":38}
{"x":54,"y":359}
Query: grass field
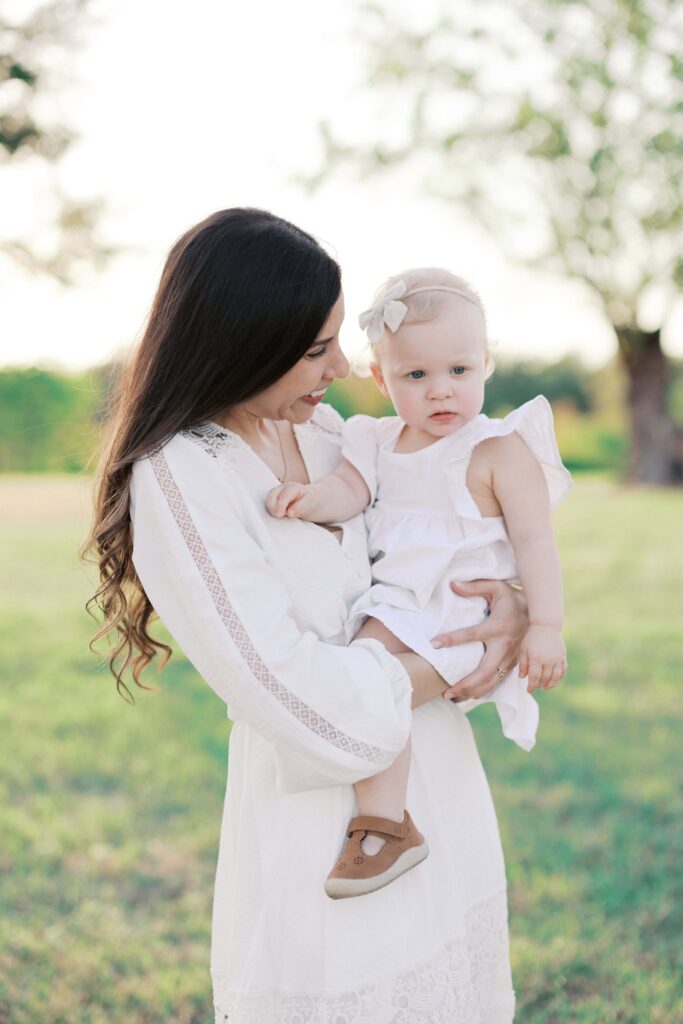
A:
{"x":111,"y":813}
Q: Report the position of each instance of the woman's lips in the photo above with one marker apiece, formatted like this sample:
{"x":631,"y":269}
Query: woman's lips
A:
{"x":315,"y":397}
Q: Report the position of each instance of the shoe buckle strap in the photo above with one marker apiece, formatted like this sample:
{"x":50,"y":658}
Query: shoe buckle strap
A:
{"x":382,"y":827}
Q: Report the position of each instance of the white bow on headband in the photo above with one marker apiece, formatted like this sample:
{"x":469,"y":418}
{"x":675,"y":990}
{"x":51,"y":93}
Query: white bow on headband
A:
{"x":391,"y":312}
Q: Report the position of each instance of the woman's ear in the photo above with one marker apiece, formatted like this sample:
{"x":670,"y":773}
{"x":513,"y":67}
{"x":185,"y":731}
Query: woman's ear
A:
{"x":376,"y":372}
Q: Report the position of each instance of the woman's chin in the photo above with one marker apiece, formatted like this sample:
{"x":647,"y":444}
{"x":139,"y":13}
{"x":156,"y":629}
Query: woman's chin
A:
{"x":302,"y":410}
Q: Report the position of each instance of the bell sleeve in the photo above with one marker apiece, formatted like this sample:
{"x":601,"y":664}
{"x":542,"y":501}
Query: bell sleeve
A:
{"x":334,"y":714}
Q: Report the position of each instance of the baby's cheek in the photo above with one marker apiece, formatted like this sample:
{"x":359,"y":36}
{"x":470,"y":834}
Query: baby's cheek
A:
{"x":476,"y":398}
{"x":404,"y":402}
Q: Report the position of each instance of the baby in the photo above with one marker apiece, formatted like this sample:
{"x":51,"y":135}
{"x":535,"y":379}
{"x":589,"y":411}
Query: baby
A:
{"x":448,"y":494}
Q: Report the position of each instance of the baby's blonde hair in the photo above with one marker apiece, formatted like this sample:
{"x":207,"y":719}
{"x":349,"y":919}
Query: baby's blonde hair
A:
{"x":426,"y":305}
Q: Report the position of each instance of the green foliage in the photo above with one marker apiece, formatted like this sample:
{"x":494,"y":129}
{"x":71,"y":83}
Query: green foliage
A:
{"x":590,"y":443}
{"x":676,"y":396}
{"x":47,"y":421}
{"x":111,"y":813}
{"x":515,"y":383}
{"x":356,"y":394}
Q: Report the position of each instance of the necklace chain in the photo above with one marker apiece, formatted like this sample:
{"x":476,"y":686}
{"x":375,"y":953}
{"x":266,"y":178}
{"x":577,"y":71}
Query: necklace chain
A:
{"x":260,"y":453}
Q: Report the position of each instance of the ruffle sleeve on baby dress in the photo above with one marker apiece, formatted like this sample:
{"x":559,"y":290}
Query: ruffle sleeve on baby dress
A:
{"x":360,"y":438}
{"x":533,"y":421}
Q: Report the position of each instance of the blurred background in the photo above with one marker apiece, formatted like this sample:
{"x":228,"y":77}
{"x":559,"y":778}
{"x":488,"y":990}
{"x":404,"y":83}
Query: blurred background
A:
{"x":535,"y":148}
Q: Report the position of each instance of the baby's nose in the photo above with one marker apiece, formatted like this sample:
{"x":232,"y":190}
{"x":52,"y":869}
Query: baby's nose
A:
{"x":440,"y":390}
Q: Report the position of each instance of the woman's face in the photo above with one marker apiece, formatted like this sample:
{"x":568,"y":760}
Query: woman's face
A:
{"x":295,"y":395}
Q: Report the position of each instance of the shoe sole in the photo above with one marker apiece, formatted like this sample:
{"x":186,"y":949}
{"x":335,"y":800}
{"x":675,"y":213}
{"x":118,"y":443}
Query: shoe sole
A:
{"x":341,"y":888}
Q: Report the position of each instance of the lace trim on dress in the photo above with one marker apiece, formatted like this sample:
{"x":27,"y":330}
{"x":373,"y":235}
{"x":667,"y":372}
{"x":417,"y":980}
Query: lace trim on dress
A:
{"x":305,"y":714}
{"x":213,"y":438}
{"x":467,"y":981}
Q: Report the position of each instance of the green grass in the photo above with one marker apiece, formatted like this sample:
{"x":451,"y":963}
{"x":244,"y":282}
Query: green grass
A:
{"x":111,"y":813}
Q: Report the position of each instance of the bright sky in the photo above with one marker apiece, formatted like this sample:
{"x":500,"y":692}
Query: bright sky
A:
{"x":186,"y":108}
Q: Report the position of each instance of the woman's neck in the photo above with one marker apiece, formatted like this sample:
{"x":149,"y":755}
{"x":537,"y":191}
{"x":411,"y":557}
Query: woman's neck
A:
{"x":256,"y":430}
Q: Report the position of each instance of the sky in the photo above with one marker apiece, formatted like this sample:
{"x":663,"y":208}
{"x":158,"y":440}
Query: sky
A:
{"x":184,"y":108}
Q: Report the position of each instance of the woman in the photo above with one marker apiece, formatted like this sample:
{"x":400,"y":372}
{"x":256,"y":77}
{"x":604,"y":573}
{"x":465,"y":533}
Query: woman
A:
{"x":221,"y":401}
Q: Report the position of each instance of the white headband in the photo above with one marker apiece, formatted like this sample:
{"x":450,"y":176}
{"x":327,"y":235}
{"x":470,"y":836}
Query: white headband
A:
{"x":391,"y":313}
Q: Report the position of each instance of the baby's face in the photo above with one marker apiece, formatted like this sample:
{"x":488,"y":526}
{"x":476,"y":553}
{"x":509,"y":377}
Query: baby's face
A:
{"x":434,"y":371}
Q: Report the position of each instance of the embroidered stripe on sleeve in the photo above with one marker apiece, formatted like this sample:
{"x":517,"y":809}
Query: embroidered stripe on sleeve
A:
{"x":305,"y":714}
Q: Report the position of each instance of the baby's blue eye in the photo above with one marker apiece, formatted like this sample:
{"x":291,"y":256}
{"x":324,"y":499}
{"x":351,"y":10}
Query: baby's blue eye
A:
{"x":416,"y":374}
{"x":458,"y":369}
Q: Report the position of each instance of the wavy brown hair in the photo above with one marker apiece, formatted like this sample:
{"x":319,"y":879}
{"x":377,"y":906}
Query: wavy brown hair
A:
{"x":242,"y":297}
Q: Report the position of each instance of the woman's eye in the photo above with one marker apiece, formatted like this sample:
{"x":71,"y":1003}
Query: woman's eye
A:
{"x":459,"y":369}
{"x":416,"y":374}
{"x":316,"y":355}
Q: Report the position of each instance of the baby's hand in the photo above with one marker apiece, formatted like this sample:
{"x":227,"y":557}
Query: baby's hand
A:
{"x":289,"y":501}
{"x":543,"y":657}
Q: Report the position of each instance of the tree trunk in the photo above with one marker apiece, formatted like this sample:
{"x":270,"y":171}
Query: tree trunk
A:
{"x":656,"y":455}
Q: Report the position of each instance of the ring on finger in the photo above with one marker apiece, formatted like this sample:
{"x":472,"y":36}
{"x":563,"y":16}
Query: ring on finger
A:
{"x":501,"y":672}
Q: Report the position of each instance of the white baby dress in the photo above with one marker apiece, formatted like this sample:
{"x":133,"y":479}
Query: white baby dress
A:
{"x":424,"y":530}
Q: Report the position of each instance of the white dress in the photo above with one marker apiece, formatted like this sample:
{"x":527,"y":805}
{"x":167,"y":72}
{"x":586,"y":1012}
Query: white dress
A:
{"x":424,"y":530}
{"x":259,"y":606}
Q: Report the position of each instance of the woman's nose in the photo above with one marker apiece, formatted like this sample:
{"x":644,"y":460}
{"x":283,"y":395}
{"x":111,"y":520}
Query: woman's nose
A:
{"x":339,"y":367}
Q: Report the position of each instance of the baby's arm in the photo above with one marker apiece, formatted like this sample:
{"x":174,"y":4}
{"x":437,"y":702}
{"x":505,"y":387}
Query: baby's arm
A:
{"x":518,"y":485}
{"x":332,"y":499}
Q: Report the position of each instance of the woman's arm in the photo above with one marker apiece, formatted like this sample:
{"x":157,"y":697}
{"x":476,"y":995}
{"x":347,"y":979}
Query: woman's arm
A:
{"x":334,"y":714}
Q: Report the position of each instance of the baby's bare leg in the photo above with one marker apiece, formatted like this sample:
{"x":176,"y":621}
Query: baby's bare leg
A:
{"x":376,"y":630}
{"x":384,"y":795}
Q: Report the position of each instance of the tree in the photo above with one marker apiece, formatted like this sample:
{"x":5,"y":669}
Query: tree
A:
{"x":558,"y":125}
{"x":33,"y":53}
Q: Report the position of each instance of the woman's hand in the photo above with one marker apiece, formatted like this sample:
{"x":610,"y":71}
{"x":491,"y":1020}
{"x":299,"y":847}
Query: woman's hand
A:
{"x":501,"y":632}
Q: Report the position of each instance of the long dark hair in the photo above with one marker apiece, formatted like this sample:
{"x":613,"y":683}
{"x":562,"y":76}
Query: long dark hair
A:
{"x":242,"y":297}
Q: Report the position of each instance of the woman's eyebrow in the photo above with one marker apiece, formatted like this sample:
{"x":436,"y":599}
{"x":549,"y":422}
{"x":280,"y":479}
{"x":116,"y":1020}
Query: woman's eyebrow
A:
{"x":321,"y":341}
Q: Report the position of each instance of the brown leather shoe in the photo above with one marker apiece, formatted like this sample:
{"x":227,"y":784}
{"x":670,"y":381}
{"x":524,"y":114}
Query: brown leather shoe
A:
{"x":357,"y":873}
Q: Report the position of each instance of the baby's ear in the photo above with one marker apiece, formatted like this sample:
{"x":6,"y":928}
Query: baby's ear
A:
{"x":376,"y":371}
